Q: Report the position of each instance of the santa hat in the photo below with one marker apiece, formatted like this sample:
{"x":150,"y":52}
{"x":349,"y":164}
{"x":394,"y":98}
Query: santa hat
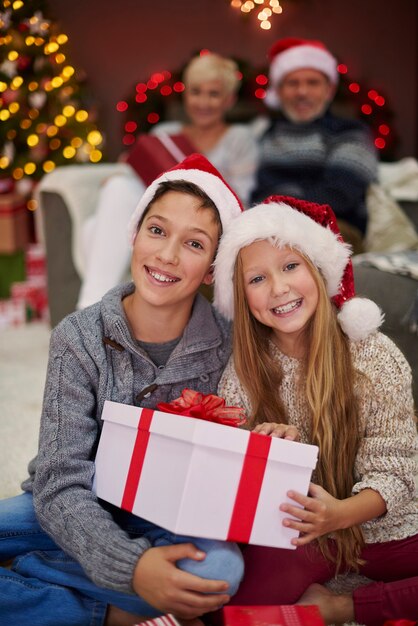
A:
{"x":198,"y":170}
{"x":311,"y":229}
{"x":290,"y":54}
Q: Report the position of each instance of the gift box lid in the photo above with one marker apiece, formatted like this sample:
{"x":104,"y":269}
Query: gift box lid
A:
{"x":209,"y":434}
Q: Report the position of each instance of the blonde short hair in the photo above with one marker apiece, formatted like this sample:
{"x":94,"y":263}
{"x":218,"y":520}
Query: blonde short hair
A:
{"x":212,"y":66}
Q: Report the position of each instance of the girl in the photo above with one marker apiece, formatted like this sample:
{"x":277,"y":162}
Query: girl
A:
{"x":307,"y":352}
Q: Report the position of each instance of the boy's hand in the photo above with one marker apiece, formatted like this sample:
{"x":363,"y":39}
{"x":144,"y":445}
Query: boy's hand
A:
{"x":158,"y":581}
{"x":282,"y":431}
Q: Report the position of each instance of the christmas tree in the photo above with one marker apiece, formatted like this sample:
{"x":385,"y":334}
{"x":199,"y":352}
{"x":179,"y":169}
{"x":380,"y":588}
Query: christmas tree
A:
{"x":46,"y":118}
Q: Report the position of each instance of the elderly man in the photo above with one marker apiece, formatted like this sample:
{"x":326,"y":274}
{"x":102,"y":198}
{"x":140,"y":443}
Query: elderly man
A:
{"x":306,"y":151}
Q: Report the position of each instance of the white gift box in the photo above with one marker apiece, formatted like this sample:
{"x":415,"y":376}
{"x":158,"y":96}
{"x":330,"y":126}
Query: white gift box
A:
{"x":200,"y":478}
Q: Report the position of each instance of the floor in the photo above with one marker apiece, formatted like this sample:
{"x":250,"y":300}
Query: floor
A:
{"x":23,"y":362}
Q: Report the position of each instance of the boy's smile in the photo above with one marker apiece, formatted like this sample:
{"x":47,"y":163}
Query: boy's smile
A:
{"x":160,"y":277}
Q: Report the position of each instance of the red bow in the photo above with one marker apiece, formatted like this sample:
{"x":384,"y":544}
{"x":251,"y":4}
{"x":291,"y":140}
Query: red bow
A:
{"x":209,"y":407}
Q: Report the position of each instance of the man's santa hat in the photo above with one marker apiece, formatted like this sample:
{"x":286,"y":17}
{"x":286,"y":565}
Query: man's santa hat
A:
{"x":198,"y":170}
{"x":311,"y":229}
{"x":290,"y":54}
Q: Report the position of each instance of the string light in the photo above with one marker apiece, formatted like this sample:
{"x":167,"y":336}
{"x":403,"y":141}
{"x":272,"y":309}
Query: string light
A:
{"x":367,"y":109}
{"x":266,"y":9}
{"x":368,"y":103}
{"x":48,"y":166}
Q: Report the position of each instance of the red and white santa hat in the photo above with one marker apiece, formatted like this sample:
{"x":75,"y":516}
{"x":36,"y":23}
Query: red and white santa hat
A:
{"x":290,"y":54}
{"x":198,"y":170}
{"x":311,"y":229}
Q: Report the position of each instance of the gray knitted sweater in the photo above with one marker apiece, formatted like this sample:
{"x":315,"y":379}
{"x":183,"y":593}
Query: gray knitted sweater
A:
{"x":83,"y":372}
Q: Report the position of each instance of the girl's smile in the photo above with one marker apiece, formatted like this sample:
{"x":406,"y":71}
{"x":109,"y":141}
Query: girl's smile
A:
{"x":287,"y":308}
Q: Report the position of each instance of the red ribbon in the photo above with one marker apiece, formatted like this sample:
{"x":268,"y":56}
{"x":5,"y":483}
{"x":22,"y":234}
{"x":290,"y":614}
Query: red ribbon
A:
{"x":249,"y":487}
{"x":137,"y":459}
{"x":205,"y":407}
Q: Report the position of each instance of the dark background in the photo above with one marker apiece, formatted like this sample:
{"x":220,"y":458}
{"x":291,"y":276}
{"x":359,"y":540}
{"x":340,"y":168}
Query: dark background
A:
{"x":120,"y":43}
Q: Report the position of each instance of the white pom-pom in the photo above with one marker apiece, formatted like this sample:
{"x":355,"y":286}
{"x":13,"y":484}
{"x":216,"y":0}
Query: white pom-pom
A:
{"x":359,"y":317}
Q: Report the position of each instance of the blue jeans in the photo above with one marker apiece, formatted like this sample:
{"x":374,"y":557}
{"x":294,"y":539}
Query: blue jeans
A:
{"x":46,"y":587}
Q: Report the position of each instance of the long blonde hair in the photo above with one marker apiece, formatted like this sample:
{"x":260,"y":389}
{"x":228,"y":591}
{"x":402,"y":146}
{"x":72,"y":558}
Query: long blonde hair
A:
{"x":328,"y":382}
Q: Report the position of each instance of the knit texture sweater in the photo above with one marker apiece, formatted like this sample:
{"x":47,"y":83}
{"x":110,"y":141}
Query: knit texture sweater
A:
{"x":385,"y":460}
{"x":330,"y":161}
{"x":83,"y":372}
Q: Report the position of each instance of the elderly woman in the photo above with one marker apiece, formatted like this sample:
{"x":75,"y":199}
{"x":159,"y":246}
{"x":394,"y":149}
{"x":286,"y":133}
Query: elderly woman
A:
{"x":211,"y":84}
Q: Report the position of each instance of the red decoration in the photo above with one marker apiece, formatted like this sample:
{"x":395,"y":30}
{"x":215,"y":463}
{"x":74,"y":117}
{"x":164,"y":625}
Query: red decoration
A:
{"x":206,"y":407}
{"x":284,"y":615}
{"x":366,"y":109}
{"x":122,"y":105}
{"x":178,"y":87}
{"x":128,"y":140}
{"x":153,"y":118}
{"x":354,"y":87}
{"x":261,"y":79}
{"x":163,"y":86}
{"x":131,"y":127}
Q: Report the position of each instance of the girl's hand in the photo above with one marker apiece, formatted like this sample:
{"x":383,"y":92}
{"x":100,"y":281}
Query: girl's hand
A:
{"x":282,"y":431}
{"x":320,"y":515}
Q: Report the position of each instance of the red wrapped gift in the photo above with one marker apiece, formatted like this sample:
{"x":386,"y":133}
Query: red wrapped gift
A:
{"x":14,"y":223}
{"x":35,"y":260}
{"x":33,"y":294}
{"x":12,"y":313}
{"x":285,"y":615}
{"x":154,"y":154}
{"x":163,"y":620}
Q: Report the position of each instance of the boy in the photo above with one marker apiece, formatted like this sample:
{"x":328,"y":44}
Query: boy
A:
{"x":142,"y":344}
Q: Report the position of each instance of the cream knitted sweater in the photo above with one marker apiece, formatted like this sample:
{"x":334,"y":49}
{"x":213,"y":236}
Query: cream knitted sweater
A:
{"x":386,"y":457}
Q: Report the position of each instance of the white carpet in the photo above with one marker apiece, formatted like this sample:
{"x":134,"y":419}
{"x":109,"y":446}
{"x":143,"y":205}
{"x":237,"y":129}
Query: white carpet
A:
{"x":23,"y":361}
